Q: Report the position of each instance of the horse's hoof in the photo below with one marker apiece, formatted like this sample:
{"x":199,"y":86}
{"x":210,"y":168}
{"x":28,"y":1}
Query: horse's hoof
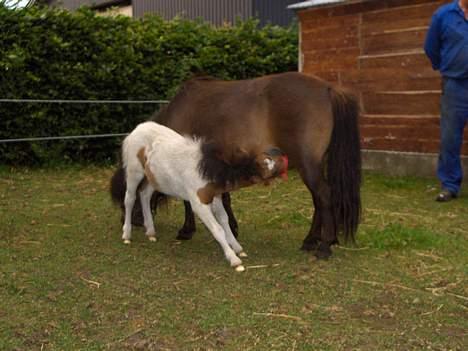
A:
{"x":152,"y":238}
{"x":242,"y":254}
{"x":310,"y":246}
{"x":323,"y":252}
{"x":322,"y":256}
{"x":240,"y":268}
{"x":137,"y":217}
{"x":127,"y":242}
{"x":138,"y":221}
{"x":184,"y":235}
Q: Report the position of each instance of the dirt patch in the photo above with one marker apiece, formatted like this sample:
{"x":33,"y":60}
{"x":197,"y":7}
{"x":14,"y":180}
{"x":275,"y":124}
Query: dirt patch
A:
{"x":140,"y":342}
{"x":379,"y":313}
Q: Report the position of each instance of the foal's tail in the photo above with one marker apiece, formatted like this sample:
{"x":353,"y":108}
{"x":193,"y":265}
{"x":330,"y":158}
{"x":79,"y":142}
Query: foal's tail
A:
{"x":344,"y":162}
{"x":118,"y":186}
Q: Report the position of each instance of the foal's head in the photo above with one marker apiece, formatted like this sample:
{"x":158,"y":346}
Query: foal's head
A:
{"x":230,"y":170}
{"x":229,"y":166}
{"x":272,"y":163}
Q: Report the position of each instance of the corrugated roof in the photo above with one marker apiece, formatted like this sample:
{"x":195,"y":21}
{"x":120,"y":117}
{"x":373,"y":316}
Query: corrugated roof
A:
{"x":74,"y":4}
{"x":312,"y":3}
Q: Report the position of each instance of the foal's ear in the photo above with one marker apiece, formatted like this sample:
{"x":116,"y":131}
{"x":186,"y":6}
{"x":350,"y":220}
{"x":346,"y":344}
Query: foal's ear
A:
{"x":233,"y":155}
{"x":213,"y":150}
{"x":238,"y":155}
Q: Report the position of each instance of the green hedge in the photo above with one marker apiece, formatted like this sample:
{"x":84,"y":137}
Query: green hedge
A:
{"x":56,"y":54}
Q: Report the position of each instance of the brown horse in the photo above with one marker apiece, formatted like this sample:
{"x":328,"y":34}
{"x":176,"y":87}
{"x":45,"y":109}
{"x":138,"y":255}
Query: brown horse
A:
{"x":315,"y":123}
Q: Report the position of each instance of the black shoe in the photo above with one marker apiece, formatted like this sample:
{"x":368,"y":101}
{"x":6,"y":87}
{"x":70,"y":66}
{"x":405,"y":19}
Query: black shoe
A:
{"x":445,"y":196}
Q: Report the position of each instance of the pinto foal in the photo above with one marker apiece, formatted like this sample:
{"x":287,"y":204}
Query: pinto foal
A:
{"x":194,"y":171}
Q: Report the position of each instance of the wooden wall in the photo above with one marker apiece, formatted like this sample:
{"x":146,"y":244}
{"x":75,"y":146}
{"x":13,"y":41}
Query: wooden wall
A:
{"x":375,"y":47}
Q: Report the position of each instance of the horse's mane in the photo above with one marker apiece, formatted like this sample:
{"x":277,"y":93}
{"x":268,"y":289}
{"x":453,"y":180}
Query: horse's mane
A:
{"x":223,"y":167}
{"x":194,"y":79}
{"x":159,"y":115}
{"x":201,"y":77}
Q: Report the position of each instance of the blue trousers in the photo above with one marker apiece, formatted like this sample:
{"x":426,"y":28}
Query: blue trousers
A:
{"x":454,"y":115}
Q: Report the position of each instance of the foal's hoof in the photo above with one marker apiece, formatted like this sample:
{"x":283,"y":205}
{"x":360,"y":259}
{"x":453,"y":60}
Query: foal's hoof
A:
{"x":152,"y":238}
{"x":127,"y":242}
{"x":240,"y":268}
{"x":242,"y":254}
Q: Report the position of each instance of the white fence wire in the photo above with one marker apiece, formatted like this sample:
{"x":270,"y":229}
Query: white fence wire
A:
{"x":58,"y":101}
{"x":67,"y":137}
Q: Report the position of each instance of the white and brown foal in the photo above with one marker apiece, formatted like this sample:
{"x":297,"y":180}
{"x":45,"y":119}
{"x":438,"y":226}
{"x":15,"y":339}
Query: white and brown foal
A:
{"x":192,"y":170}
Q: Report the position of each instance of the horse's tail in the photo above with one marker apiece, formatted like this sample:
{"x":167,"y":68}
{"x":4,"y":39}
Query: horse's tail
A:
{"x":344,"y":162}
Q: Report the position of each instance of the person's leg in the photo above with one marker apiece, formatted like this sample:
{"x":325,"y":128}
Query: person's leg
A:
{"x":452,"y":122}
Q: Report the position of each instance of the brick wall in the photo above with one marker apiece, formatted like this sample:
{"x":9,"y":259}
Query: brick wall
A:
{"x":375,"y":47}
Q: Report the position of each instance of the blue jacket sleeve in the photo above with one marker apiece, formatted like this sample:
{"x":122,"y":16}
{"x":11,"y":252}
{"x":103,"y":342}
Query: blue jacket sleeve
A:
{"x":432,"y":43}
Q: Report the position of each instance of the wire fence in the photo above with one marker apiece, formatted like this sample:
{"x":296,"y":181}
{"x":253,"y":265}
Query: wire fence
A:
{"x":64,"y":137}
{"x":62,"y":101}
{"x":58,"y":101}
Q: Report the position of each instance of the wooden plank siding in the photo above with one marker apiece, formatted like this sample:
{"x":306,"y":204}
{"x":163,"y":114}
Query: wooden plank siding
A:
{"x":375,"y":47}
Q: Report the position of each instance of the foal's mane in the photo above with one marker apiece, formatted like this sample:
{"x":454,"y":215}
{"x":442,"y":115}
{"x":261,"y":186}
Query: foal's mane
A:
{"x":223,"y":167}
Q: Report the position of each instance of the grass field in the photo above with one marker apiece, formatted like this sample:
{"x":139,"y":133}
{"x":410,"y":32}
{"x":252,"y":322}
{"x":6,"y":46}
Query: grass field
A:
{"x":68,"y":283}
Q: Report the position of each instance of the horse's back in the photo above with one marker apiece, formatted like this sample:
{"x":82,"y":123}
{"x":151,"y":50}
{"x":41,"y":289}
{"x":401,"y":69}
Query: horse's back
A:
{"x":282,"y":109}
{"x":300,"y":115}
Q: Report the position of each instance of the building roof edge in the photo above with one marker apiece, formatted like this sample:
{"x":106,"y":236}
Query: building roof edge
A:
{"x":313,"y":3}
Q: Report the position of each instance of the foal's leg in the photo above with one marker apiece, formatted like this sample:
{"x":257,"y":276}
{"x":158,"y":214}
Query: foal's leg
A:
{"x":188,"y":229}
{"x":145,"y":199}
{"x":133,"y":179}
{"x":207,"y":217}
{"x":222,"y":218}
{"x":232,"y":219}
